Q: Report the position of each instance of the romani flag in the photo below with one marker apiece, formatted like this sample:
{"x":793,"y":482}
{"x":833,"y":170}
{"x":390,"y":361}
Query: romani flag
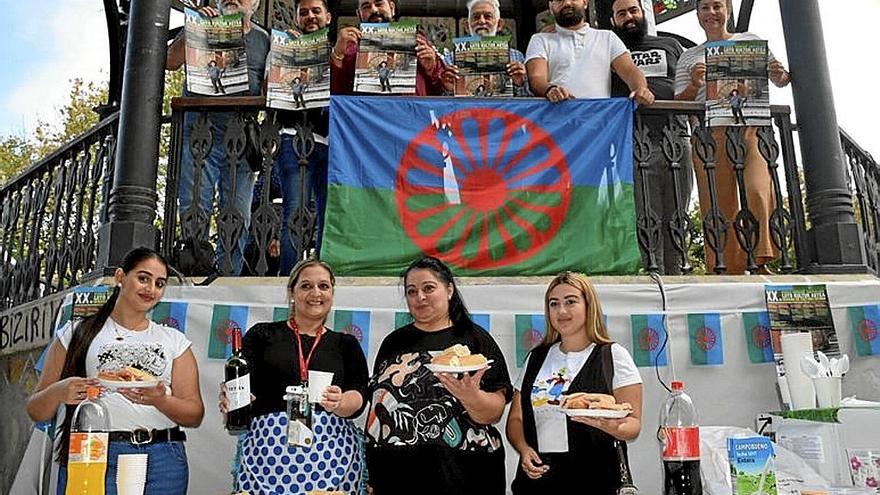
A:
{"x":864,"y":321}
{"x":224,"y":320}
{"x":706,"y":343}
{"x":171,"y":314}
{"x":530,"y":331}
{"x":356,"y":323}
{"x":502,"y":187}
{"x":649,"y":340}
{"x":756,"y":326}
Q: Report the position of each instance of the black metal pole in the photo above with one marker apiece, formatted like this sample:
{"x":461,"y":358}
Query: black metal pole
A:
{"x":835,"y":236}
{"x":133,"y":197}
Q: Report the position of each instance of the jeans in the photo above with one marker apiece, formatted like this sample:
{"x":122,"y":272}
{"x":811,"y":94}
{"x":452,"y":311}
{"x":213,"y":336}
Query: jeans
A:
{"x":287,"y":162}
{"x":167,"y":470}
{"x":217,"y":173}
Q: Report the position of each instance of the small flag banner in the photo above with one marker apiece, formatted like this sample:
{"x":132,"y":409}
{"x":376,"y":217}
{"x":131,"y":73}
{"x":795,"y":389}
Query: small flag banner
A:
{"x":224,"y":320}
{"x":280,"y":313}
{"x":756,"y":326}
{"x":864,"y":321}
{"x":402,"y":319}
{"x":705,"y":335}
{"x":483,"y":320}
{"x":65,"y":315}
{"x":530,"y":331}
{"x":171,"y":314}
{"x":649,"y":334}
{"x":356,"y":323}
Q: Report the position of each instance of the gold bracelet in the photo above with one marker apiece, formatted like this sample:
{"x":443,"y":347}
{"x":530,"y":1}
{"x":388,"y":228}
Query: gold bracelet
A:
{"x":336,"y":56}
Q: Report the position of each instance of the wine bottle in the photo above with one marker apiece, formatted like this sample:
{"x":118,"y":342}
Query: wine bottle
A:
{"x":238,"y":388}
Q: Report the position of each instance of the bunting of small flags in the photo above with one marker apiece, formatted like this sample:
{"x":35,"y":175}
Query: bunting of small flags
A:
{"x":649,"y":336}
{"x":280,"y":313}
{"x":224,"y":320}
{"x":356,"y":323}
{"x":865,"y":321}
{"x":756,"y":326}
{"x":171,"y":314}
{"x":706,"y":341}
{"x":530,"y":331}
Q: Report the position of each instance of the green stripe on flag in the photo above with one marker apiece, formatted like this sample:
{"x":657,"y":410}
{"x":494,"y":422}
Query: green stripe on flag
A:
{"x":698,"y":355}
{"x":402,"y":319}
{"x":280,"y":313}
{"x":756,"y":327}
{"x":368,"y":239}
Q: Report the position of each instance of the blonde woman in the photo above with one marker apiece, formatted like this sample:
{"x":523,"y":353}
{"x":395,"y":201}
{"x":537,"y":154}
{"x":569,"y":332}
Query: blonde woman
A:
{"x":575,"y":356}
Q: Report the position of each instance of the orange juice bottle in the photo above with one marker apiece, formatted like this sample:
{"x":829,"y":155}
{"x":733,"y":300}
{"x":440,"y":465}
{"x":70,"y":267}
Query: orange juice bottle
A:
{"x":87,"y":456}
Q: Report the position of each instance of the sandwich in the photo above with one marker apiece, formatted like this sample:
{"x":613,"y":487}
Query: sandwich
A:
{"x":583,"y":400}
{"x":127,"y":374}
{"x":458,"y":356}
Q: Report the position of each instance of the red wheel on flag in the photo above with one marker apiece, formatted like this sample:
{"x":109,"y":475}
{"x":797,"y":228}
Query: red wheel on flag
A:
{"x":352,"y":329}
{"x":761,"y":336}
{"x":531,"y":338}
{"x":867,"y":330}
{"x":649,"y":339}
{"x":170,"y":321}
{"x":483,"y":189}
{"x":224,"y":330}
{"x":705,"y":338}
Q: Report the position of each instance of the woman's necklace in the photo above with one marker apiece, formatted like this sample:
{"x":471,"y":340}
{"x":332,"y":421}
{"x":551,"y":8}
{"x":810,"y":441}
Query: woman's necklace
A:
{"x":120,"y":337}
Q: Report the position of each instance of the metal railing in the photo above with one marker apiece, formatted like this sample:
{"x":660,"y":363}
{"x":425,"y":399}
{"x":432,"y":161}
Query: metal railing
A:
{"x":662,"y":138}
{"x":50,"y":217}
{"x":865,"y":186}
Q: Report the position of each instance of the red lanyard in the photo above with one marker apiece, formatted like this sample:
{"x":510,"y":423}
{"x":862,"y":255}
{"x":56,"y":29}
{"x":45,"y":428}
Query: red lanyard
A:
{"x":304,"y":361}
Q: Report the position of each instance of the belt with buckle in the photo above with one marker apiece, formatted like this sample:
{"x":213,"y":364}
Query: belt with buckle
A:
{"x":143,"y":436}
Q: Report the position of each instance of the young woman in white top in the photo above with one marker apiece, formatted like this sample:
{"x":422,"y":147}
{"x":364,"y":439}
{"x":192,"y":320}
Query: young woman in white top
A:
{"x":557,"y":452}
{"x":142,"y":420}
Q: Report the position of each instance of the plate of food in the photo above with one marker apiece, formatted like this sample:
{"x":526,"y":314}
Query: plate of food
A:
{"x":457,"y":359}
{"x":587,"y":405}
{"x":128,"y":377}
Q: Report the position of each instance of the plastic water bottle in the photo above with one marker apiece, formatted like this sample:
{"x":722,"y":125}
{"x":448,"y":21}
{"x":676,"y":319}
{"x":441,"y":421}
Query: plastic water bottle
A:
{"x":89,"y":441}
{"x":680,"y":436}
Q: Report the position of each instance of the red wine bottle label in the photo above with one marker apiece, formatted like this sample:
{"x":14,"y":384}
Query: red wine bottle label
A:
{"x":238,"y":392}
{"x":681,"y":443}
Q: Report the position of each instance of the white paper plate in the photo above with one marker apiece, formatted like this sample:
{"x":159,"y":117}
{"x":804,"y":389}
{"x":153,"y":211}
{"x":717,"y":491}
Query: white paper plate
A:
{"x":596,"y":413}
{"x":442,"y":368}
{"x":115,"y":384}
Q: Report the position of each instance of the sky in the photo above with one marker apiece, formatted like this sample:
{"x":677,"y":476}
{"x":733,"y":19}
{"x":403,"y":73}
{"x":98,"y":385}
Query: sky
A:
{"x":68,"y":39}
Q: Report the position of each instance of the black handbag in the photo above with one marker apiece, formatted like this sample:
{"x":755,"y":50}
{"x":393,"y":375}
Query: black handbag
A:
{"x":194,"y":258}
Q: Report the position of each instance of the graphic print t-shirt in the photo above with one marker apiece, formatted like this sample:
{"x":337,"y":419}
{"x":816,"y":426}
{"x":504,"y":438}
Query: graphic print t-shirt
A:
{"x":418,"y":435}
{"x":152,"y":350}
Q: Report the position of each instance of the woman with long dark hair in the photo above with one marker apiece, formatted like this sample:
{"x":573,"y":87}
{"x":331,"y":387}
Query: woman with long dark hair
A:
{"x":556,"y":452}
{"x":119,"y":335}
{"x":432,"y":433}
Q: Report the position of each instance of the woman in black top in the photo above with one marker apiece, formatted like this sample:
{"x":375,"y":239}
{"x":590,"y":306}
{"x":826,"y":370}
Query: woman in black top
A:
{"x":432,"y":433}
{"x":275,"y":352}
{"x":556,"y":452}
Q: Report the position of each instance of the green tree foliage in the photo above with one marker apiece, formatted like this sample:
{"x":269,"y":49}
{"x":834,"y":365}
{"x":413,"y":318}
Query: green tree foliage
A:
{"x":75,"y":117}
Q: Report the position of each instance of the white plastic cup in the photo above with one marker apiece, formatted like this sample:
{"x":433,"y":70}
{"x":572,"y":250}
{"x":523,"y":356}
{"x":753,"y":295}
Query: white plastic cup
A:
{"x":794,"y":347}
{"x":131,"y":474}
{"x":828,"y":390}
{"x":318,"y":382}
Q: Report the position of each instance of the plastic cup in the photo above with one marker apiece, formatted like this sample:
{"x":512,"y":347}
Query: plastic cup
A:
{"x":827,"y":390}
{"x":318,"y":382}
{"x":131,"y":474}
{"x":795,"y":346}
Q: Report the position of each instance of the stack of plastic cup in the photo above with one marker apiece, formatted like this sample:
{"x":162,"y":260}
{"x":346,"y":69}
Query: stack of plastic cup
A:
{"x":131,"y":474}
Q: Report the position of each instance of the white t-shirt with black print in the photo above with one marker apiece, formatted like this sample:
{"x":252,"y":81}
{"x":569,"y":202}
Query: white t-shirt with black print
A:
{"x":152,"y":350}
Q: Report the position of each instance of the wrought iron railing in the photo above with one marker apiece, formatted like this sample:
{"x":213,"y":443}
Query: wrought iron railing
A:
{"x":661,"y":131}
{"x":50,"y":217}
{"x":865,"y":186}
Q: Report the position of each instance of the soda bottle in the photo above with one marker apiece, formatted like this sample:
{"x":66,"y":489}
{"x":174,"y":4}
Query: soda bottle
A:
{"x":680,"y":437}
{"x":87,"y":454}
{"x":238,"y":388}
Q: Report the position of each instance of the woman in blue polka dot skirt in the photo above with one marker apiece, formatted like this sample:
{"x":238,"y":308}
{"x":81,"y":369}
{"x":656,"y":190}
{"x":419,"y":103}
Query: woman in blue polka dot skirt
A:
{"x":280,"y":355}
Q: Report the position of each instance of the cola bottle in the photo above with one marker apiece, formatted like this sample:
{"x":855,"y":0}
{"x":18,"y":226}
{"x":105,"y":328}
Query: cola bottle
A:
{"x":680,"y":437}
